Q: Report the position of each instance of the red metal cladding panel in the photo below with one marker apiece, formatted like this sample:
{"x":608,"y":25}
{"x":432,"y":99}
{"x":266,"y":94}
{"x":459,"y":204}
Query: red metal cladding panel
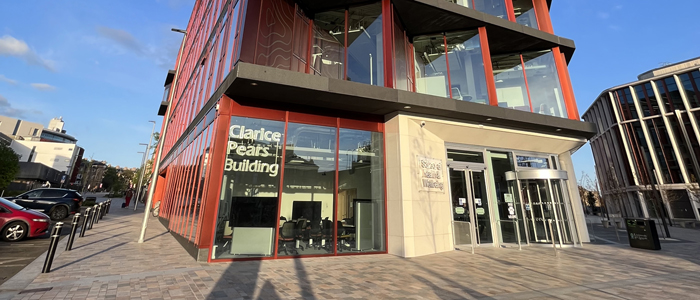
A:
{"x":281,"y":183}
{"x":488,"y":67}
{"x":247,"y":41}
{"x":207,"y":182}
{"x":274,"y":48}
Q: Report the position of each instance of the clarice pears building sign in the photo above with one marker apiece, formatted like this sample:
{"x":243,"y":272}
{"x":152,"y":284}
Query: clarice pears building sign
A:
{"x":246,"y":148}
{"x":431,"y":173}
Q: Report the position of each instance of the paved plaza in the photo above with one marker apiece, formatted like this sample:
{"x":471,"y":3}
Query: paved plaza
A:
{"x":108,"y":263}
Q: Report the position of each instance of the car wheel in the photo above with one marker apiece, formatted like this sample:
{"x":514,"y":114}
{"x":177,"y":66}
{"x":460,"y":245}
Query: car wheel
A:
{"x":59,"y":213}
{"x":14,"y":232}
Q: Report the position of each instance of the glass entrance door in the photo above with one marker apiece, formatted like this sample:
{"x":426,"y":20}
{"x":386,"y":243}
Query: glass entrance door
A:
{"x":543,"y":201}
{"x":470,"y":207}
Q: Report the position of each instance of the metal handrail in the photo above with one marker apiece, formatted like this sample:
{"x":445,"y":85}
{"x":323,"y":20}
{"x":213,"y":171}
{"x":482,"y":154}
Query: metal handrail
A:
{"x":554,"y":245}
{"x":517,"y":231}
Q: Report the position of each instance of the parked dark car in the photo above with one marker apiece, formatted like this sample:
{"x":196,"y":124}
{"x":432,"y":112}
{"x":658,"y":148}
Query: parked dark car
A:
{"x":57,"y":203}
{"x":17,"y":222}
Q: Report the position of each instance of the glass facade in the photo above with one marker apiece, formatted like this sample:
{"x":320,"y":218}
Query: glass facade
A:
{"x":365,"y":56}
{"x":525,"y":13}
{"x":466,"y":67}
{"x":324,"y":196}
{"x":543,"y":84}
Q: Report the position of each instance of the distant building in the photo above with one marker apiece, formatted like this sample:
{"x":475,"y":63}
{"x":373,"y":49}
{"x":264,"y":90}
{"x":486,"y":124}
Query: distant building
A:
{"x":91,"y":174}
{"x":648,"y":133}
{"x":49,"y":146}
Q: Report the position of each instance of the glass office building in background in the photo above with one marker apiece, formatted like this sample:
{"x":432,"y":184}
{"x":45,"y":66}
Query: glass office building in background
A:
{"x":315,"y":128}
{"x":648,"y":135}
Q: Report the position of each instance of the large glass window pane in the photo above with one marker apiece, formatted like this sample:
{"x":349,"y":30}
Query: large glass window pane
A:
{"x":307,"y":213}
{"x":431,"y":65}
{"x":361,"y":192}
{"x":492,"y":7}
{"x":543,"y":83}
{"x":525,"y":13}
{"x":328,"y":52}
{"x":365,"y":57}
{"x":467,"y":76}
{"x":510,"y":82}
{"x":400,"y":57}
{"x":247,"y":221}
{"x":664,"y":151}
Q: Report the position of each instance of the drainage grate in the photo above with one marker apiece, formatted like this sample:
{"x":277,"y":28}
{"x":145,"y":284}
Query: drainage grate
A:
{"x":36,"y":290}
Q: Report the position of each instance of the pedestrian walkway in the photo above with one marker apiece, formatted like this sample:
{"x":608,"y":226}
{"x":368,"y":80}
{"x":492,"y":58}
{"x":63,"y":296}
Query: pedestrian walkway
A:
{"x":108,"y":263}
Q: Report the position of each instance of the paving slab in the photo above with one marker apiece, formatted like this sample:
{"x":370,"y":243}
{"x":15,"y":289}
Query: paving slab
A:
{"x":108,"y":263}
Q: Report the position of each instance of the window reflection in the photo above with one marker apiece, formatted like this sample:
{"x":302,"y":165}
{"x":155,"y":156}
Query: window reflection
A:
{"x":543,"y":83}
{"x":306,"y":213}
{"x":525,"y":13}
{"x":328,"y":52}
{"x":431,"y":65}
{"x":510,"y":82}
{"x":365,"y":56}
{"x":492,"y":7}
{"x":360,"y":192}
{"x":467,"y":77}
{"x":247,"y":220}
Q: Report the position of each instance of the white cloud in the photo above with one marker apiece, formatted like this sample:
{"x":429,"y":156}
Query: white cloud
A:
{"x":43,"y":86}
{"x":121,"y":38}
{"x":6,"y":109}
{"x":8,"y":80}
{"x":10,"y":46}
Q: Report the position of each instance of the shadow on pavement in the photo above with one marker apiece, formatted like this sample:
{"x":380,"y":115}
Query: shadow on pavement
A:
{"x":89,"y":256}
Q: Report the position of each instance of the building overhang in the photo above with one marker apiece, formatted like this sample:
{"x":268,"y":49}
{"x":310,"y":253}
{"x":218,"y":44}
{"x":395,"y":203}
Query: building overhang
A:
{"x":163,"y":108}
{"x":169,"y":78}
{"x":424,"y":17}
{"x":260,"y":86}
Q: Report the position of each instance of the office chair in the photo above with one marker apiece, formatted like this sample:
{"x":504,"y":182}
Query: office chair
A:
{"x":343,"y":236}
{"x":315,"y":234}
{"x":287,"y":236}
{"x":301,"y":232}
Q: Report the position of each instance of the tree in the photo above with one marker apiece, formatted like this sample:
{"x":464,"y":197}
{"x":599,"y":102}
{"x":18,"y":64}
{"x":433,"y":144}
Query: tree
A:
{"x":9,"y":165}
{"x":110,"y":179}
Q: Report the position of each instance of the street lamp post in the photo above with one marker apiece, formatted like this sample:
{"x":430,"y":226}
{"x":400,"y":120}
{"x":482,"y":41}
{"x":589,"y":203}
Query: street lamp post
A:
{"x":156,"y":160}
{"x":143,"y":163}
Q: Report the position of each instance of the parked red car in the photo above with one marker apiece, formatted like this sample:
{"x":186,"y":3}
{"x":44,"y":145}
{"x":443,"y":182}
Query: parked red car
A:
{"x":17,"y":222}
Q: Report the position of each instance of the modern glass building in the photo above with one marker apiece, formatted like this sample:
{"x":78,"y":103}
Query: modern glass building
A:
{"x":313,"y":128}
{"x":646,"y":150}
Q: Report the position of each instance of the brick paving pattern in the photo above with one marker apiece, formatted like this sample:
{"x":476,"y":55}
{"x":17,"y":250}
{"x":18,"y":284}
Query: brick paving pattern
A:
{"x":108,"y":263}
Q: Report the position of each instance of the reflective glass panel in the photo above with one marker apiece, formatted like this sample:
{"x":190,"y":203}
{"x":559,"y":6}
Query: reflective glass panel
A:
{"x":543,"y":83}
{"x":307,"y":213}
{"x":525,"y":13}
{"x":360,"y":192}
{"x":247,"y":221}
{"x":691,"y":87}
{"x":532,"y":162}
{"x":492,"y":7}
{"x":328,"y":52}
{"x":510,"y":82}
{"x":431,"y":65}
{"x":467,"y":77}
{"x":365,"y":55}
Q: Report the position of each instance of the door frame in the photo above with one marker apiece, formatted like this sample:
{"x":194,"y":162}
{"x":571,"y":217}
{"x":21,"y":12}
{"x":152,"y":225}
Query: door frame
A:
{"x":468,"y":168}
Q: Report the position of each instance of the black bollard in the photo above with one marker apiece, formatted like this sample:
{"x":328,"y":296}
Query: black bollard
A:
{"x":102,"y":210}
{"x":73,"y":230}
{"x":109,"y":205}
{"x":55,"y":235}
{"x":85,"y":222}
{"x":92,"y":217}
{"x":96,"y":213}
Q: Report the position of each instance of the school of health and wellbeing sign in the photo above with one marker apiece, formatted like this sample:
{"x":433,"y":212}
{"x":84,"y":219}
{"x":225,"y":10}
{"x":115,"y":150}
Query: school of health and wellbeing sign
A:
{"x":431,"y":174}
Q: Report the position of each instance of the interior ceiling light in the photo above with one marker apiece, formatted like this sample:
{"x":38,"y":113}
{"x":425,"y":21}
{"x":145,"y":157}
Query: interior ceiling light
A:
{"x":253,"y":83}
{"x":407,"y":107}
{"x":489,"y":119}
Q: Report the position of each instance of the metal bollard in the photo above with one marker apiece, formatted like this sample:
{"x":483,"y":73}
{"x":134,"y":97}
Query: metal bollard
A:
{"x":55,"y":235}
{"x":96,"y":218}
{"x":92,"y":217}
{"x":109,"y":205}
{"x":73,"y":230}
{"x":103,"y":210}
{"x":85,"y":222}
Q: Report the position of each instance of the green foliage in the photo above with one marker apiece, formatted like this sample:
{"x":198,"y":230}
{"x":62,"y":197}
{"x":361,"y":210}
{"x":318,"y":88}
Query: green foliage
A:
{"x":9,"y":165}
{"x":110,"y":179}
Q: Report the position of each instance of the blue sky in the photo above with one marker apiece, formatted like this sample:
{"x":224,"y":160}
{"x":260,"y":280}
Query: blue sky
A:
{"x":101,"y":64}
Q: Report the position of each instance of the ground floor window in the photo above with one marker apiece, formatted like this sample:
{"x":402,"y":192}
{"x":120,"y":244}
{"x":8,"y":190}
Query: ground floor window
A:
{"x":294,"y":189}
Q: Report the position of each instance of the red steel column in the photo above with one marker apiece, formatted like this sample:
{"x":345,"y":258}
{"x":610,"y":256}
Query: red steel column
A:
{"x":544,"y":22}
{"x":567,"y":89}
{"x":488,"y":67}
{"x":218,"y":157}
{"x":388,"y":43}
{"x":510,"y":10}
